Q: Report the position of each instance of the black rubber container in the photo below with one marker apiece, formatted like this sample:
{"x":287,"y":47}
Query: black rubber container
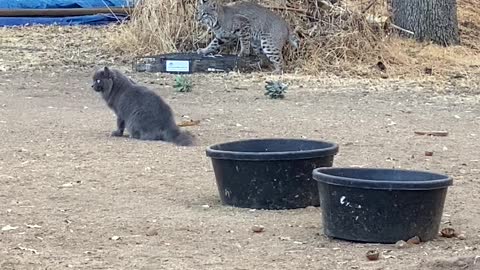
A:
{"x":381,"y":205}
{"x":269,"y":173}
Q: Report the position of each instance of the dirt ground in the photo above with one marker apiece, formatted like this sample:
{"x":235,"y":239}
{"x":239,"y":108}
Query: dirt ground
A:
{"x":71,"y":197}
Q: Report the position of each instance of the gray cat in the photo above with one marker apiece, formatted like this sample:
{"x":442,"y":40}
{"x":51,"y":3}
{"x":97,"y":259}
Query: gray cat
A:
{"x":255,"y":26}
{"x":143,"y":113}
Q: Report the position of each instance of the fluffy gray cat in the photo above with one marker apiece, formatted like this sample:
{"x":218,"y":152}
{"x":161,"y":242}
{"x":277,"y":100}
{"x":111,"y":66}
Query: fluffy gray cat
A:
{"x":144,"y":114}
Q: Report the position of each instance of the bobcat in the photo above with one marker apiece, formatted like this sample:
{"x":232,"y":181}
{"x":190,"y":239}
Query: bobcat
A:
{"x":253,"y":25}
{"x":143,"y":113}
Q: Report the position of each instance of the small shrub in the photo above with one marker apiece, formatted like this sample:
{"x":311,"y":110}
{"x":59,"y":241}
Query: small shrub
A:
{"x":182,"y":84}
{"x":276,"y":89}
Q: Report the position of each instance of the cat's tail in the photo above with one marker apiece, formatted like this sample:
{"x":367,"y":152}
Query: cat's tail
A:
{"x":180,"y":137}
{"x":185,"y":138}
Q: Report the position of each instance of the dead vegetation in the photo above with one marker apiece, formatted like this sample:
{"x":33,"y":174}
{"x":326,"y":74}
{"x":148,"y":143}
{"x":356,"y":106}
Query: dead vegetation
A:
{"x":343,"y":43}
{"x":331,"y":40}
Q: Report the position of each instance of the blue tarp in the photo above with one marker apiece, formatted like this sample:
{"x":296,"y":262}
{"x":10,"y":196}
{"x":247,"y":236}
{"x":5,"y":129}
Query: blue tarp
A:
{"x":97,"y":19}
{"x":42,"y":4}
{"x":100,"y":19}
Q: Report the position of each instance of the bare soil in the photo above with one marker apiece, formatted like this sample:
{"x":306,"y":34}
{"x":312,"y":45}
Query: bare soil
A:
{"x":72,"y":197}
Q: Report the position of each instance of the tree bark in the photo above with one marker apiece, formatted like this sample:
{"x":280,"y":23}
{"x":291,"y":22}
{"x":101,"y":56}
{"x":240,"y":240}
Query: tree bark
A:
{"x":430,"y":20}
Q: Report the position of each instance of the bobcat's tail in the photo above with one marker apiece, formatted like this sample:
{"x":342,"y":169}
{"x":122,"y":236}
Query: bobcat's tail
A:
{"x":294,"y":40}
{"x":180,"y":137}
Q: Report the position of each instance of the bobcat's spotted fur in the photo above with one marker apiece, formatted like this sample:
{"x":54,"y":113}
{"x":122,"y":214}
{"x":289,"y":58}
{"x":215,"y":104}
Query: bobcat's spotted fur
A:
{"x":255,"y":26}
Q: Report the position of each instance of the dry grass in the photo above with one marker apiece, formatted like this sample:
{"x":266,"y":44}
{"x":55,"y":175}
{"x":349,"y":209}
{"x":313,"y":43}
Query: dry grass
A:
{"x":157,"y":27}
{"x":332,"y":42}
{"x":329,"y":42}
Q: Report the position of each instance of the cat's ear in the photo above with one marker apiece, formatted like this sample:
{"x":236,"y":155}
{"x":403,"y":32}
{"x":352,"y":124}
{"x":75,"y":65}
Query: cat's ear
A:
{"x":107,"y":72}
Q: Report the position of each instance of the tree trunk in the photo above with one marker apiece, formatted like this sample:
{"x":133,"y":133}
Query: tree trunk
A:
{"x":430,"y":20}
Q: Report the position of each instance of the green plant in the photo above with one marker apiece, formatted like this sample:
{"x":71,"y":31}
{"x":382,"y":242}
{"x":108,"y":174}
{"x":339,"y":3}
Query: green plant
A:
{"x":275,"y":89}
{"x":182,"y":84}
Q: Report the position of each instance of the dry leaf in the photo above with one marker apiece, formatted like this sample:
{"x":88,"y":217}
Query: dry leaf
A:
{"x":189,"y":123}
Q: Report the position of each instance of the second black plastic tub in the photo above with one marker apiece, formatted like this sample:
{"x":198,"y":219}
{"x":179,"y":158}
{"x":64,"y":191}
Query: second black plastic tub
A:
{"x":381,"y":205}
{"x":270,"y":173}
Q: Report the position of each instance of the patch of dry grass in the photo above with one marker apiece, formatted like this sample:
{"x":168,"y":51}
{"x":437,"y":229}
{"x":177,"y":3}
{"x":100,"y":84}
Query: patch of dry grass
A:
{"x":157,"y":27}
{"x":46,"y":47}
{"x":329,"y":42}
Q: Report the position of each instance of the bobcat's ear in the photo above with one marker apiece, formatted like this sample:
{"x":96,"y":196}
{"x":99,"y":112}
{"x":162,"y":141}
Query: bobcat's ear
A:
{"x":211,"y":3}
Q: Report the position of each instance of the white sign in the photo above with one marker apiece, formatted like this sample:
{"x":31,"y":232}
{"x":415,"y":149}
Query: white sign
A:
{"x":177,"y":66}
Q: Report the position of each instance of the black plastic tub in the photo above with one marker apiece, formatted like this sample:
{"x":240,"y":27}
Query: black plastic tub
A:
{"x":269,"y":173}
{"x":381,"y":205}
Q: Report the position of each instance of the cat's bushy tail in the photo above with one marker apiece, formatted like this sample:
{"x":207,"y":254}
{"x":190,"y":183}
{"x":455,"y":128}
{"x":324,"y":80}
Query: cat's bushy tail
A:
{"x":181,"y":137}
{"x":185,"y":138}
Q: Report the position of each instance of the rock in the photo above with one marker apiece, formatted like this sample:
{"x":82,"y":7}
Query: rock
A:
{"x":461,"y":236}
{"x":151,"y":232}
{"x":258,"y":228}
{"x":401,"y":244}
{"x":373,"y":255}
{"x":9,"y":228}
{"x":67,"y":185}
{"x":414,"y":240}
{"x":428,"y":153}
{"x":447,"y":232}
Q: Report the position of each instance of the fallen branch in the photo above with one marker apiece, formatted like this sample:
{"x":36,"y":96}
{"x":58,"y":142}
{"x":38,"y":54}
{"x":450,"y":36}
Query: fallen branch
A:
{"x":402,"y":29}
{"x":370,"y":5}
{"x":432,"y":133}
